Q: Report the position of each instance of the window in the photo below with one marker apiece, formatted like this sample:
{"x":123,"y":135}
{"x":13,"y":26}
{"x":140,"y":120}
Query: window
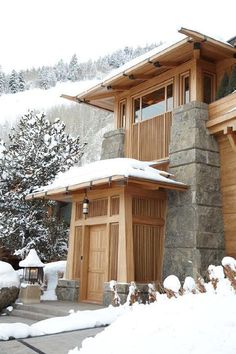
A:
{"x":122,"y":114}
{"x":185,"y":88}
{"x":208,"y":87}
{"x":153,"y":104}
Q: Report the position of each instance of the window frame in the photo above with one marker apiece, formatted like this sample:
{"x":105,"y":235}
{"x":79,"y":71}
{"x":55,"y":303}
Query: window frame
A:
{"x":140,"y":96}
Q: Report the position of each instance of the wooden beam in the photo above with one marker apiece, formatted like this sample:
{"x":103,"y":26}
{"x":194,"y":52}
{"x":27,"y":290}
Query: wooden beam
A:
{"x":203,"y":38}
{"x":102,"y":96}
{"x":70,"y":98}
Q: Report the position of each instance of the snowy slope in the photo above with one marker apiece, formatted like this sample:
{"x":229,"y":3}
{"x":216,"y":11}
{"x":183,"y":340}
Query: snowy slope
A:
{"x":12,"y":106}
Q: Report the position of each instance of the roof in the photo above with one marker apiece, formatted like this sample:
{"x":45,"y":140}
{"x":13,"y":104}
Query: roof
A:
{"x":152,"y":64}
{"x":105,"y":172}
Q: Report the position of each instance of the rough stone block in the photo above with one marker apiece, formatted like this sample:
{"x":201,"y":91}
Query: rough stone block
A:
{"x":113,"y":144}
{"x":8,"y":296}
{"x":67,"y":290}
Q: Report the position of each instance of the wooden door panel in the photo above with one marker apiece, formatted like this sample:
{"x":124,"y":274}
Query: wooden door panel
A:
{"x":96,"y":263}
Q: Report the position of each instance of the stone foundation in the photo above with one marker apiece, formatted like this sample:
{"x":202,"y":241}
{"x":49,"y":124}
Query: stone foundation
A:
{"x":67,"y":290}
{"x":194,"y":223}
{"x":113,"y":144}
{"x":123,"y":290}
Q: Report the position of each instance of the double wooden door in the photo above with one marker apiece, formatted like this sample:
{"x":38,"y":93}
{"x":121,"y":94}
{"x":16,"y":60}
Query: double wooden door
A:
{"x":97,"y":263}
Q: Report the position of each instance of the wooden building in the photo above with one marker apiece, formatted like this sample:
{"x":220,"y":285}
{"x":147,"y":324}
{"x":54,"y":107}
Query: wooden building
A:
{"x":132,"y":225}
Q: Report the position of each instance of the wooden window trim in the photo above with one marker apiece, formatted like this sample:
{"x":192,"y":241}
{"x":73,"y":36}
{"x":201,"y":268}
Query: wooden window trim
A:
{"x":121,"y":122}
{"x":183,"y":76}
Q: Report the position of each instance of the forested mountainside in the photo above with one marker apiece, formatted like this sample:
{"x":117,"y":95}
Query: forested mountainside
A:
{"x":40,"y":89}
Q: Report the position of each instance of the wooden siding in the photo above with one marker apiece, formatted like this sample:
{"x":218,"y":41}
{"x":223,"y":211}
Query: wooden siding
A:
{"x":151,"y":138}
{"x":115,"y":205}
{"x":113,"y":251}
{"x":228,"y":188}
{"x":77,"y":250}
{"x":148,"y":235}
{"x":148,"y":247}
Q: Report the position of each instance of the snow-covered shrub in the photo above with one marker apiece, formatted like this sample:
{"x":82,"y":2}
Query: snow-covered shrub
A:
{"x":116,"y":298}
{"x":172,"y":286}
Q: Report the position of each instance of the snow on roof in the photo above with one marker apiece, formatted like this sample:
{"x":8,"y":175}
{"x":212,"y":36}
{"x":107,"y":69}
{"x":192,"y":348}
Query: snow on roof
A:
{"x":124,"y":167}
{"x":32,"y":260}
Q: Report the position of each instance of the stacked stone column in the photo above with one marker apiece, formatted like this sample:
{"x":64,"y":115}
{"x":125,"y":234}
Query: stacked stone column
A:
{"x":194,"y":222}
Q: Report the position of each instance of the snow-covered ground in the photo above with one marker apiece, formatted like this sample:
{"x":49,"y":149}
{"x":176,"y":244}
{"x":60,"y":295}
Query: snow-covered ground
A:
{"x":193,"y":323}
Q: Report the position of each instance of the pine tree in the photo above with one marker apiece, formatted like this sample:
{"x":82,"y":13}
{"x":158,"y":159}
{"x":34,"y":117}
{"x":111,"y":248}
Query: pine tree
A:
{"x":36,"y":152}
{"x":22,"y":84}
{"x":2,"y":83}
{"x":223,"y":88}
{"x":74,"y":69}
{"x":232,"y":80}
{"x":13,"y":82}
{"x":61,"y":71}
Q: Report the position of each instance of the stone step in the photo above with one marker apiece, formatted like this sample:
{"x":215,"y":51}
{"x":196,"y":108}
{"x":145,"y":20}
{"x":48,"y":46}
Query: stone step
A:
{"x":36,"y":308}
{"x":36,"y":316}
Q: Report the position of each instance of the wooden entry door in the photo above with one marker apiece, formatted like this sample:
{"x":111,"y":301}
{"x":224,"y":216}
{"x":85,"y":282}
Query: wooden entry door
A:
{"x":96,"y":263}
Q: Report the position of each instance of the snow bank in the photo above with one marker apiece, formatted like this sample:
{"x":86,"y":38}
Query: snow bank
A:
{"x":8,"y":276}
{"x":74,"y":321}
{"x":189,"y":324}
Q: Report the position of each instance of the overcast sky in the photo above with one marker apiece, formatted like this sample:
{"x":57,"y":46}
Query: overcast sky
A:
{"x":40,"y":32}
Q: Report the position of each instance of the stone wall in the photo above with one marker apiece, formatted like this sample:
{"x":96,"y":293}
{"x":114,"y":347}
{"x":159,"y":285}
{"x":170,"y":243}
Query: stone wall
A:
{"x":194,"y":225}
{"x":113,"y":144}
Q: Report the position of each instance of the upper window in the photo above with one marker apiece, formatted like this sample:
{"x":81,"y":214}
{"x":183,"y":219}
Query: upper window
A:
{"x":208,"y":87}
{"x":185,"y":88}
{"x":154,"y":103}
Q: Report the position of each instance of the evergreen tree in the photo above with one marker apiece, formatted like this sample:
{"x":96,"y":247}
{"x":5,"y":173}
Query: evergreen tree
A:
{"x":37,"y":151}
{"x":74,"y":69}
{"x":232,"y":80}
{"x":61,"y":71}
{"x":2,"y":83}
{"x":223,"y":88}
{"x":22,"y":84}
{"x":13,"y":82}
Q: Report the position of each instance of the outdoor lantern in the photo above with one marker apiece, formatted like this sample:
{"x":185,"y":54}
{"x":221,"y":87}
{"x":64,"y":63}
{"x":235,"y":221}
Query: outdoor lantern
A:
{"x":85,"y":205}
{"x":33,"y":268}
{"x":33,"y":274}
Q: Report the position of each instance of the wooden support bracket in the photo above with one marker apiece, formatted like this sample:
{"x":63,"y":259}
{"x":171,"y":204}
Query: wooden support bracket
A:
{"x":231,"y":134}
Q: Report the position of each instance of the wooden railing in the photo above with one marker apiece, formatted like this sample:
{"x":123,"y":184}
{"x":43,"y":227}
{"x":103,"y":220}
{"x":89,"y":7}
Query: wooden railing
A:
{"x":222,"y":106}
{"x":222,"y":115}
{"x":151,"y":138}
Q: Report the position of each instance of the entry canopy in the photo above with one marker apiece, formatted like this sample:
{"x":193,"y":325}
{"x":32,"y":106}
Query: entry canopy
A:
{"x":107,"y":173}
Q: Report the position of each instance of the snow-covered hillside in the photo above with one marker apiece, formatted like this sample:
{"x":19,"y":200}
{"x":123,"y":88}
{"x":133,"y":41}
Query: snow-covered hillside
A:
{"x":90,"y":123}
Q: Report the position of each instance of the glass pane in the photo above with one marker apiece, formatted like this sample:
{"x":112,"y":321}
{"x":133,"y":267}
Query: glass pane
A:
{"x":153,"y":104}
{"x":170,"y":101}
{"x":207,"y":89}
{"x":186,"y":89}
{"x":136,"y":110}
